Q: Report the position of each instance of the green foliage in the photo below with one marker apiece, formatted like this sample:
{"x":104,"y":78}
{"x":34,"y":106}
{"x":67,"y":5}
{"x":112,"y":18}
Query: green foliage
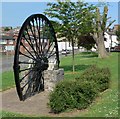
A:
{"x":7,"y":29}
{"x":86,"y":41}
{"x":71,"y":94}
{"x":74,"y":17}
{"x":6,"y":114}
{"x":81,"y":92}
{"x":100,"y":76}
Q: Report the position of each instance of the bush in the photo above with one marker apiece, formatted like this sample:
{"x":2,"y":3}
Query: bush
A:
{"x":100,"y":76}
{"x":71,"y":94}
{"x":81,"y":92}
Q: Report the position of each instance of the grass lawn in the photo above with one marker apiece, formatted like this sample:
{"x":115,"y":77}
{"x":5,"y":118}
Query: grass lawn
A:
{"x":106,"y":105}
{"x":11,"y":114}
{"x":7,"y":80}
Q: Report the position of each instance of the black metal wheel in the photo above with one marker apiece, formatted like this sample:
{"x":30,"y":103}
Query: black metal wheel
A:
{"x":36,"y":46}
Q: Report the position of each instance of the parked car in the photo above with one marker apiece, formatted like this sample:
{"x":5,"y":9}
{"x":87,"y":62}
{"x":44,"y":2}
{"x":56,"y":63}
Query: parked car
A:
{"x":111,"y":49}
{"x":65,"y":52}
{"x":116,"y":48}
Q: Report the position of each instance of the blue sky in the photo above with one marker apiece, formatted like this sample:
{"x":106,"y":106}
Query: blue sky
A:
{"x":14,"y":13}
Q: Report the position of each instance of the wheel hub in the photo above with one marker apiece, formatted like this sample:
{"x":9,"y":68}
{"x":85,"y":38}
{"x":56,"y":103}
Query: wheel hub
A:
{"x":42,"y":64}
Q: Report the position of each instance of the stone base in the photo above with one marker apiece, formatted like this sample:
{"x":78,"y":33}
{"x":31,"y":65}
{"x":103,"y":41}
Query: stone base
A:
{"x":51,"y":77}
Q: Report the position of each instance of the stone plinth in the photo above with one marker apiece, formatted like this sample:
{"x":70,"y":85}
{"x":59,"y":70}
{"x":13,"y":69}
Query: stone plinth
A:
{"x":51,"y":77}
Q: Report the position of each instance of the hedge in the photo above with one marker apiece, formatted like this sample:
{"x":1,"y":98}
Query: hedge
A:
{"x":71,"y":94}
{"x":101,"y":76}
{"x":80,"y":92}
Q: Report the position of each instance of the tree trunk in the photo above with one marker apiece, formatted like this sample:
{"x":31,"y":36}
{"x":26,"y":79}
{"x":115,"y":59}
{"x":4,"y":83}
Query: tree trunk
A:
{"x":73,"y":56}
{"x":102,"y":53}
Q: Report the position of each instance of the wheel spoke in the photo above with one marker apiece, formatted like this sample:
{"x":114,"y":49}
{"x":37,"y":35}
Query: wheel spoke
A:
{"x":40,"y":82}
{"x":34,"y":35}
{"x":51,"y":52}
{"x":28,"y":51}
{"x":26,"y":55}
{"x":34,"y":38}
{"x":26,"y":62}
{"x":27,"y":91}
{"x":25,"y":69}
{"x":25,"y":76}
{"x":44,"y":49}
{"x":49,"y":48}
{"x":28,"y":82}
{"x":38,"y":29}
{"x":30,"y":43}
{"x":51,"y":55}
{"x":39,"y":35}
{"x":36,"y":83}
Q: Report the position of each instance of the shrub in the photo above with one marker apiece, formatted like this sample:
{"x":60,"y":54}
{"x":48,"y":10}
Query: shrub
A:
{"x":80,"y":92}
{"x":71,"y":94}
{"x":100,"y":76}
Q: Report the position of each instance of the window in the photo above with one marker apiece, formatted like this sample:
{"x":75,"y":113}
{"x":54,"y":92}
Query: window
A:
{"x":10,"y":42}
{"x":9,"y":48}
{"x":3,"y":41}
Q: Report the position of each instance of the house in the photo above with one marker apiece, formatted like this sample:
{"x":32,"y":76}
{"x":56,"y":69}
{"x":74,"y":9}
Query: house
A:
{"x":111,"y":39}
{"x":64,"y":45}
{"x":8,"y":40}
{"x":7,"y":44}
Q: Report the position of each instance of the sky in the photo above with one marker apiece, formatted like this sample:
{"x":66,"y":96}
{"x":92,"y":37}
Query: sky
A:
{"x":15,"y":13}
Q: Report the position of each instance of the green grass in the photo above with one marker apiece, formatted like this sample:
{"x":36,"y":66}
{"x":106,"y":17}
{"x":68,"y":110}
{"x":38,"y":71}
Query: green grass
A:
{"x":11,"y":114}
{"x":106,"y":105}
{"x":7,"y":80}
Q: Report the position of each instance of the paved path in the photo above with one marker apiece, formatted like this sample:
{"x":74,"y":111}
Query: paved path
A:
{"x":36,"y":105}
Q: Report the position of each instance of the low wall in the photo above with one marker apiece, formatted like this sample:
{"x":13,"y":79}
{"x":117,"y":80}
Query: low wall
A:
{"x":51,"y":77}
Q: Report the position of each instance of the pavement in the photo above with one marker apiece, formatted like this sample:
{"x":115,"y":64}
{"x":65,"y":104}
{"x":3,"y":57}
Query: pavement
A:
{"x":6,"y":63}
{"x":33,"y":106}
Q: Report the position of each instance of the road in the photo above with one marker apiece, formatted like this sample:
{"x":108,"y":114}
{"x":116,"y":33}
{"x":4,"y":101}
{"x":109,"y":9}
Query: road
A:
{"x":6,"y":62}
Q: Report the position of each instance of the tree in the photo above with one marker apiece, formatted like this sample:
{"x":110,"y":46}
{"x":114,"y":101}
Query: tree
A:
{"x":7,"y":29}
{"x":86,"y":41}
{"x":72,"y":18}
{"x":100,"y":26}
{"x":118,"y":34}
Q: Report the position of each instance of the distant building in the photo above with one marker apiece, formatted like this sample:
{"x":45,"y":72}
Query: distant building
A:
{"x":7,"y":45}
{"x":115,"y":28}
{"x":8,"y":41}
{"x":111,"y":39}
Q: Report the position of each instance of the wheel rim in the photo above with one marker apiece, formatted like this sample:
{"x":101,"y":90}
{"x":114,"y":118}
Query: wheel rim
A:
{"x":36,"y":46}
